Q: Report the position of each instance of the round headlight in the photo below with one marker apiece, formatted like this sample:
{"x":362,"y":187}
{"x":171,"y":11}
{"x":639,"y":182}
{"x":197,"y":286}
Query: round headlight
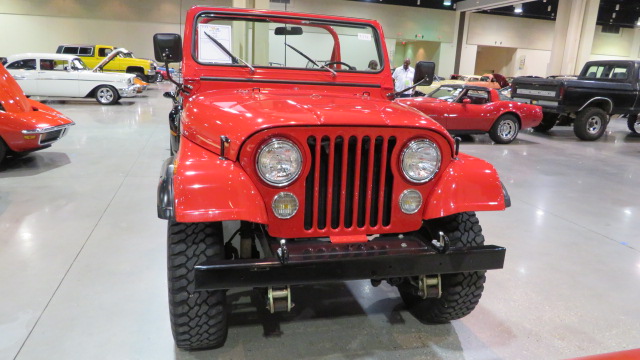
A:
{"x":284,"y":205}
{"x":410,"y":201}
{"x":279,"y":162}
{"x":420,"y":160}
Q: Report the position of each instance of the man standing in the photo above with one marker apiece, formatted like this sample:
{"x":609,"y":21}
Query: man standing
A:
{"x":403,"y":78}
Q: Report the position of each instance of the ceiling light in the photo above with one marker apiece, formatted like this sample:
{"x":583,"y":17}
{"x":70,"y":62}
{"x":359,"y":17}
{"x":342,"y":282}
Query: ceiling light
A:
{"x":613,"y":15}
{"x":517,"y":8}
{"x":617,"y":7}
{"x":447,"y":3}
{"x":638,"y":23}
{"x":549,"y":8}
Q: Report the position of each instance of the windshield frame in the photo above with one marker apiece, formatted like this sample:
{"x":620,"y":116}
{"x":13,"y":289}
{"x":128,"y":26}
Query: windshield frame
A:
{"x":235,"y":16}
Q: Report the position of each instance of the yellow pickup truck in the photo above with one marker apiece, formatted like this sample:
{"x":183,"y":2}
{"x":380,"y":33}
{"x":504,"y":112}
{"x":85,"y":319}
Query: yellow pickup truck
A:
{"x":92,"y":55}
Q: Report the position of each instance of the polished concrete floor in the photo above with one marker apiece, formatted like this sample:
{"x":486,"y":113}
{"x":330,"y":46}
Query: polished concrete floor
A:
{"x":82,"y":257}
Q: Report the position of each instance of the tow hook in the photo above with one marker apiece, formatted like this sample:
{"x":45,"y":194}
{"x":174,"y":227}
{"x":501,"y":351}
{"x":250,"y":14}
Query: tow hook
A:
{"x":283,"y":252}
{"x":279,"y":299}
{"x":429,"y":286}
{"x":442,"y":245}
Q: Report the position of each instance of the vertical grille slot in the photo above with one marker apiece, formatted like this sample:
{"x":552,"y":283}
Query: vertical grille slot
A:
{"x":308,"y":186}
{"x":350,"y":182}
{"x":337,"y":182}
{"x":324,"y":174}
{"x":364,"y":174}
{"x":375,"y":181}
{"x":351,"y":174}
{"x":388,"y":185}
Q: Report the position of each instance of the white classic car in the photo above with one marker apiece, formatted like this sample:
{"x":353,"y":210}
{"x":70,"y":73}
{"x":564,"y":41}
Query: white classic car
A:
{"x":67,"y":76}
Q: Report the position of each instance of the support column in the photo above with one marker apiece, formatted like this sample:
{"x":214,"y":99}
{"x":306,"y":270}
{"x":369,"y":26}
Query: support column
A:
{"x":573,"y":35}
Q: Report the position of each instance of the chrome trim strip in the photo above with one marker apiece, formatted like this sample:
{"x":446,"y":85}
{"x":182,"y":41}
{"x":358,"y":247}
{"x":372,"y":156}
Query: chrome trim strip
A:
{"x":48,"y":129}
{"x":598,"y":98}
{"x":536,"y":92}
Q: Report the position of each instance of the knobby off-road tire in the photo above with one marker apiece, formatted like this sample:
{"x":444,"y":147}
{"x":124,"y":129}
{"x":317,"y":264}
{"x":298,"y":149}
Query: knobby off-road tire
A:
{"x":505,"y":129}
{"x":590,"y":123}
{"x":548,"y":122}
{"x":198,"y":318}
{"x":632,"y":124}
{"x":461,"y":292}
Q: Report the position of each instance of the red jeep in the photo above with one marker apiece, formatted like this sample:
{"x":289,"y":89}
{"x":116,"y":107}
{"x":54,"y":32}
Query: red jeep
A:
{"x":293,"y":166}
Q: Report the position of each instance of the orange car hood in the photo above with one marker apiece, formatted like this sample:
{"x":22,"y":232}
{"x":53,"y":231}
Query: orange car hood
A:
{"x":11,"y":95}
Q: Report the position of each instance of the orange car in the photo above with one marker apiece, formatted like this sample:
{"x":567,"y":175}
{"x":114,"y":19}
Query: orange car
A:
{"x":26,"y":125}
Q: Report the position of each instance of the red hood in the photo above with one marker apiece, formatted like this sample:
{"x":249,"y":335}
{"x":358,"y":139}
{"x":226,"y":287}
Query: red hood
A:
{"x":239,"y":114}
{"x":11,"y":96}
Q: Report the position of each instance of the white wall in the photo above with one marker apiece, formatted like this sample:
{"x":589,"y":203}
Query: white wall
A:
{"x":42,"y":25}
{"x":530,"y":62}
{"x":618,"y":45}
{"x":513,"y":32}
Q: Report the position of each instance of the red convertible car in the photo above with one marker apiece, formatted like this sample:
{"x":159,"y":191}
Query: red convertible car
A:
{"x":467,"y":109}
{"x":26,"y":125}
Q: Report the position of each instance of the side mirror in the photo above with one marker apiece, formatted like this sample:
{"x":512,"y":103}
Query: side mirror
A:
{"x":167,"y":48}
{"x":466,"y":101}
{"x":424,"y":71}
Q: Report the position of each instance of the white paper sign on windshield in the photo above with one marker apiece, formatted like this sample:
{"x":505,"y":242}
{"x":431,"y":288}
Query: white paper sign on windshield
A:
{"x":208,"y":50}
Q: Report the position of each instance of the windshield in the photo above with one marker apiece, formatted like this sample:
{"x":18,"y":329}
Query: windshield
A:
{"x":78,"y":64}
{"x":446,"y":93}
{"x":223,"y":39}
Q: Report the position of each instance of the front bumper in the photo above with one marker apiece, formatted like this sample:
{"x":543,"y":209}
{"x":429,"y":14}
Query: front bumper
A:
{"x":49,"y":135}
{"x":318,"y":261}
{"x":129,"y":91}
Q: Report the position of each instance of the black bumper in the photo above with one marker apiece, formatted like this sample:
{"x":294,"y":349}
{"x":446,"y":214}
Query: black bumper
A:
{"x":321,"y":262}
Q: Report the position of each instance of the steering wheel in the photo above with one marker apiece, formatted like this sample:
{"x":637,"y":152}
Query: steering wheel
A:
{"x":341,"y":63}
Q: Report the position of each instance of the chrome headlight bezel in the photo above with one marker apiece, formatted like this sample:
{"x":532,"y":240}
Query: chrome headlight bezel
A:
{"x":411,"y":146}
{"x":274,"y":142}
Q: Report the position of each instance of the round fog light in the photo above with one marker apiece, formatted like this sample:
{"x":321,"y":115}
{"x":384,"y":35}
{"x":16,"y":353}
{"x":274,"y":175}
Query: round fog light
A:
{"x":410,"y":201}
{"x":284,"y":205}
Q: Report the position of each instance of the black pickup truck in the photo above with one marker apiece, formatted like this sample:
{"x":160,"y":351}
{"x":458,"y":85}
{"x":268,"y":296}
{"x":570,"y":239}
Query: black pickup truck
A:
{"x":602,"y":89}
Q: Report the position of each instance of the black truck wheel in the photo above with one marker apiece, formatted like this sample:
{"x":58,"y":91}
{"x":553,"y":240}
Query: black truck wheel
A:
{"x":198,"y":318}
{"x":548,"y":122}
{"x":590,"y":123}
{"x":461,"y":292}
{"x":633,"y":124}
{"x":505,"y":129}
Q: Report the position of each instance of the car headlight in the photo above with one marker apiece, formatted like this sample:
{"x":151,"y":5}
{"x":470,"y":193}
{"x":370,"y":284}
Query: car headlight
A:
{"x":279,"y":162}
{"x":420,"y":160}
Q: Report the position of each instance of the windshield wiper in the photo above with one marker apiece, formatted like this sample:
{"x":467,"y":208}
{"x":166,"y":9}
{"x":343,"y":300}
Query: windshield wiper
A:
{"x":311,"y":60}
{"x":226,"y":51}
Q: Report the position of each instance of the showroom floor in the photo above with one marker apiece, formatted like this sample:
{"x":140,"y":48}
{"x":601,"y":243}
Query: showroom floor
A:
{"x":82,"y":259}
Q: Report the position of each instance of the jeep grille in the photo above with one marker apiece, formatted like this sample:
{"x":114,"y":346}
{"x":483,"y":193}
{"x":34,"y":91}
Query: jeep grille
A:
{"x":343,"y":170}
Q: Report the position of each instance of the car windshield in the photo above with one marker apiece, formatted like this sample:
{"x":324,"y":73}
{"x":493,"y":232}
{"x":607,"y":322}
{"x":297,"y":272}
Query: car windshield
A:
{"x":78,"y":64}
{"x":227,"y":39}
{"x":445,"y":93}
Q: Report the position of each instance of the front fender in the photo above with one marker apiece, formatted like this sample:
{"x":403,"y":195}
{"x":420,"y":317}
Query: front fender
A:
{"x":467,"y":184}
{"x":206,"y":188}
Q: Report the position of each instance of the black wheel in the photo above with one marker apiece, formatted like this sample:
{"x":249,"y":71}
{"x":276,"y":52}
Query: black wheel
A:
{"x":505,"y":129}
{"x":159,"y":77}
{"x":198,"y":318}
{"x":590,"y":123}
{"x":547,"y":123}
{"x":461,"y":292}
{"x":633,"y":124}
{"x":107,"y":95}
{"x":3,"y":150}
